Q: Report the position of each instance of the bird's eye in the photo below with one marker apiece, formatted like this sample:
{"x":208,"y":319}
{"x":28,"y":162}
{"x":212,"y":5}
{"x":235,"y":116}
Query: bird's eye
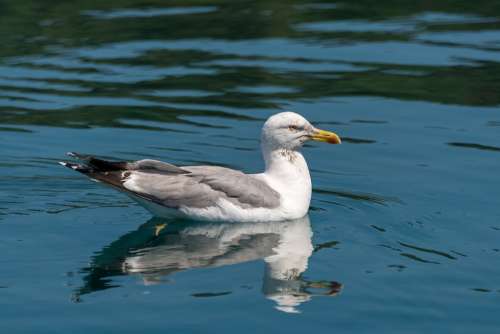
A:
{"x":293,"y":128}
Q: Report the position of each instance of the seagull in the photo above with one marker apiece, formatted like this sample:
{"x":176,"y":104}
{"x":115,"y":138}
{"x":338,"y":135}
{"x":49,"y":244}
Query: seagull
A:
{"x":214,"y":193}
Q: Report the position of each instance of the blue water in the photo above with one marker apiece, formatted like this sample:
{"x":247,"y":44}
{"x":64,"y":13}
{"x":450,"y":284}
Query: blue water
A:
{"x":403,"y":235}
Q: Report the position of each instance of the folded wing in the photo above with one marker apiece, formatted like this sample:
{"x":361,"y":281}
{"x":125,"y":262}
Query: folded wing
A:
{"x":175,"y":187}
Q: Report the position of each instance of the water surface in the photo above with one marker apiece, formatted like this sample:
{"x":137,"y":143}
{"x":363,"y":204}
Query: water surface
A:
{"x":403,"y":234}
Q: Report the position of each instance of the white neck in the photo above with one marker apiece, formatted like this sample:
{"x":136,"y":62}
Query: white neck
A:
{"x":287,"y":172}
{"x":283,"y":161}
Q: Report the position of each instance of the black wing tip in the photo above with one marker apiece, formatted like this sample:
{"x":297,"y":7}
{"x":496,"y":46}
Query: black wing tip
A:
{"x":78,"y":156}
{"x":92,"y":163}
{"x":66,"y":164}
{"x":73,"y":166}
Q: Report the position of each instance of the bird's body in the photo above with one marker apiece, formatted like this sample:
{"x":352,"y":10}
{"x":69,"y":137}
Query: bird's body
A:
{"x":271,"y":197}
{"x":281,"y":192}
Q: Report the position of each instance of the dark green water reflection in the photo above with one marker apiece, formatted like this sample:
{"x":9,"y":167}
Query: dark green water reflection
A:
{"x":404,"y":229}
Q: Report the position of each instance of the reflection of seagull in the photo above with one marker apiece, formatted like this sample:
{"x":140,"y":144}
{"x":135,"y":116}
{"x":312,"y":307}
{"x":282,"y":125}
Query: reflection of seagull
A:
{"x":282,"y":192}
{"x":285,"y":247}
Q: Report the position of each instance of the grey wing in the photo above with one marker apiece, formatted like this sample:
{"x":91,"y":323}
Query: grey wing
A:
{"x":155,"y":166}
{"x":203,"y":186}
{"x":242,"y":189}
{"x":173,"y":186}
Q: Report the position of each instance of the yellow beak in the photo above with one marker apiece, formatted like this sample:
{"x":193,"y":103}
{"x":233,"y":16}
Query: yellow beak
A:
{"x":326,"y":136}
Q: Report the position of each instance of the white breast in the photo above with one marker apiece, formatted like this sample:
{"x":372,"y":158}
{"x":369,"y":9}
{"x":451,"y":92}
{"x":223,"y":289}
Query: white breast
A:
{"x":289,"y":176}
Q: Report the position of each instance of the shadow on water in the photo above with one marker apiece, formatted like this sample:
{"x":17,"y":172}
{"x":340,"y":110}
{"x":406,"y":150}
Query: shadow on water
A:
{"x":160,"y":248}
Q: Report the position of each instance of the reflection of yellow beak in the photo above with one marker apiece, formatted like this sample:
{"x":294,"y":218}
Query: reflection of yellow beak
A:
{"x":325,"y":136}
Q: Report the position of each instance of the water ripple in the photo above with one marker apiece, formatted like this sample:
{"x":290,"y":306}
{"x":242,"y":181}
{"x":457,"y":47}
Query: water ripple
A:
{"x":476,"y":146}
{"x":378,"y":199}
{"x":148,"y":12}
{"x":428,"y":250}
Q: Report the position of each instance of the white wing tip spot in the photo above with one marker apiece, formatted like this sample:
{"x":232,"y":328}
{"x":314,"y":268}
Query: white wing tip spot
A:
{"x":65,"y":164}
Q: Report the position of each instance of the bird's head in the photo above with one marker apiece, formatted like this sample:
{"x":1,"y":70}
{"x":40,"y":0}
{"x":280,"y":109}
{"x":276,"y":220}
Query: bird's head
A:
{"x":288,"y":130}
